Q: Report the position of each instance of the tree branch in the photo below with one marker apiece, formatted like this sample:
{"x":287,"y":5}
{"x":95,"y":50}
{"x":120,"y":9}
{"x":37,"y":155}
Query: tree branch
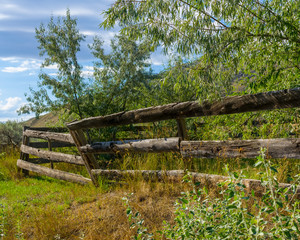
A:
{"x":205,"y":13}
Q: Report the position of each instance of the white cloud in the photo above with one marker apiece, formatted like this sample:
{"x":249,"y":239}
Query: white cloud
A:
{"x":4,"y":16}
{"x":10,"y":103}
{"x":16,"y":29}
{"x":23,"y":65}
{"x":107,"y":36}
{"x":76,"y":12}
{"x":52,"y":67}
{"x":14,"y":69}
{"x":158,"y":59}
{"x":88,"y":71}
{"x":9,"y":59}
{"x":89,"y":33}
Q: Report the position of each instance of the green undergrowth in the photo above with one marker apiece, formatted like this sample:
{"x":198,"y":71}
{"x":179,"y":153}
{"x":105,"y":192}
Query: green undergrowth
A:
{"x":173,"y":161}
{"x":233,"y":212}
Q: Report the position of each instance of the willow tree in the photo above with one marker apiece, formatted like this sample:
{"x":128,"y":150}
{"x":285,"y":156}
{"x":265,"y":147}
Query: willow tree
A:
{"x":235,"y":42}
{"x":59,"y":43}
{"x":121,"y":77}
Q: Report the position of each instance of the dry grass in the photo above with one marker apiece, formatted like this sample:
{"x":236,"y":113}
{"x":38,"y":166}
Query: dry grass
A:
{"x":44,"y":208}
{"x":103,"y":217}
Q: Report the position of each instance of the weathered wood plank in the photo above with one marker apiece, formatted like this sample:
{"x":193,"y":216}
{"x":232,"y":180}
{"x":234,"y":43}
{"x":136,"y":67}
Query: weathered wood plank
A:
{"x":50,"y":149}
{"x":24,"y":156}
{"x":54,"y":173}
{"x":56,"y":156}
{"x":112,"y":174}
{"x":54,"y":144}
{"x":39,"y":160}
{"x":49,"y":129}
{"x":229,"y":105}
{"x":146,"y":145}
{"x":177,"y":175}
{"x":89,"y":160}
{"x":182,"y":131}
{"x":276,"y":148}
{"x":61,"y":137}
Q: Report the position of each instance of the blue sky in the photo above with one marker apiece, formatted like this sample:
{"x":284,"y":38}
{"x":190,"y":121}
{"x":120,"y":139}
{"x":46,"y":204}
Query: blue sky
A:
{"x":19,"y":56}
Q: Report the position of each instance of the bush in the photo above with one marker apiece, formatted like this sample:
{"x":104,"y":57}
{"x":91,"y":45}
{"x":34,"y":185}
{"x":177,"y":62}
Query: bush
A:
{"x":11,"y":133}
{"x":233,"y":213}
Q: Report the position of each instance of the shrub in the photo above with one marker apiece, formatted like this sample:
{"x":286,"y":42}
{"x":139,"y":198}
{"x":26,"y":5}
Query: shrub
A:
{"x":233,"y":213}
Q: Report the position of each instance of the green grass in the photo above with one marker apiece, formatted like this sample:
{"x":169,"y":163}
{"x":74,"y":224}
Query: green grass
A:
{"x":38,"y":207}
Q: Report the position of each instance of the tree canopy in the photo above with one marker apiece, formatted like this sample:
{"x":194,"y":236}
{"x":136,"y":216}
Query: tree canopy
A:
{"x":11,"y":133}
{"x":257,"y":42}
{"x":59,"y":42}
{"x":121,"y":77}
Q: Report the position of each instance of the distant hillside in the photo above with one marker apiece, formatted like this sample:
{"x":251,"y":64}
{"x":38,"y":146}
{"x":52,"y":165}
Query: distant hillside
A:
{"x":47,"y":120}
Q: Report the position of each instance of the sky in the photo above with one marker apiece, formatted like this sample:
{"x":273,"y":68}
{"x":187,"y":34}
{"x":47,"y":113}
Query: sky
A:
{"x":19,"y":56}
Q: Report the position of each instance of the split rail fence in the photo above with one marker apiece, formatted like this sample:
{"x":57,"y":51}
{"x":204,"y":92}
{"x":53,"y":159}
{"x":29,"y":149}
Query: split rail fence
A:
{"x":54,"y":138}
{"x":276,"y":148}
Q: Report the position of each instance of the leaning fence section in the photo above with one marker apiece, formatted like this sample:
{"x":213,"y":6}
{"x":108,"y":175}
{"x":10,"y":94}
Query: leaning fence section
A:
{"x":277,"y":148}
{"x":38,"y":147}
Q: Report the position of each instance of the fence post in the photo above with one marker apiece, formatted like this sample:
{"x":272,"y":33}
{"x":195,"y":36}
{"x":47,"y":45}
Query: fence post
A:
{"x":24,"y":156}
{"x":89,"y":160}
{"x":182,"y":131}
{"x":50,"y":149}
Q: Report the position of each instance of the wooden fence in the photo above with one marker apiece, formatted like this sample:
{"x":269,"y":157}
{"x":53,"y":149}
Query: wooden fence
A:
{"x":54,"y":138}
{"x":277,"y":148}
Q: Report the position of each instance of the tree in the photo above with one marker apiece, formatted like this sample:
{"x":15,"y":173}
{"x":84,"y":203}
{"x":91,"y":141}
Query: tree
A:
{"x":11,"y":133}
{"x":122,"y":77}
{"x":236,"y":42}
{"x":60,"y":42}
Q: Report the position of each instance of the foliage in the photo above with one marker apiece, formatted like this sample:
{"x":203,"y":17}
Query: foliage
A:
{"x":11,"y":133}
{"x":122,"y":76}
{"x":253,"y":42}
{"x":2,"y":220}
{"x":234,"y":214}
{"x":136,"y":222}
{"x":59,"y":42}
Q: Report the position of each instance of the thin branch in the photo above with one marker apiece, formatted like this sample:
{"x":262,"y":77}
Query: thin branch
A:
{"x":264,"y":6}
{"x":205,"y":13}
{"x":252,"y":13}
{"x":273,"y":13}
{"x":268,"y":35}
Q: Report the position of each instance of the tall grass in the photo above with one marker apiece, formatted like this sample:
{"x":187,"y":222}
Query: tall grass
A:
{"x":232,"y":214}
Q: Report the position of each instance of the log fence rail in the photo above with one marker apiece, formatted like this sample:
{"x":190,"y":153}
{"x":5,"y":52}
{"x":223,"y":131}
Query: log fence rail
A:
{"x":53,"y":140}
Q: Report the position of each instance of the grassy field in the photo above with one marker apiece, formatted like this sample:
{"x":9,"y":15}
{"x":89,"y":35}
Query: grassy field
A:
{"x":43,"y":208}
{"x":38,"y":207}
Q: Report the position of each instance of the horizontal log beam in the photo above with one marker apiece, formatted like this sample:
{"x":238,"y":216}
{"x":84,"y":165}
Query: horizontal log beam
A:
{"x":54,"y":173}
{"x":177,"y":175}
{"x":53,"y":144}
{"x":40,"y":160}
{"x":147,"y":145}
{"x":229,"y":105}
{"x":276,"y":148}
{"x":61,"y":137}
{"x":172,"y":175}
{"x":55,"y":156}
{"x":49,"y":129}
